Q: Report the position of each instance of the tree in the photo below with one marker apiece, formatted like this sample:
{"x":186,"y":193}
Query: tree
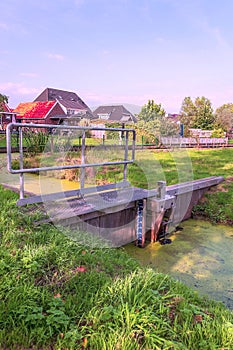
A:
{"x":198,"y":114}
{"x":151,"y":111}
{"x":218,"y":133}
{"x":205,"y":114}
{"x":152,"y":122}
{"x":3,"y":99}
{"x":148,"y":130}
{"x":224,"y":117}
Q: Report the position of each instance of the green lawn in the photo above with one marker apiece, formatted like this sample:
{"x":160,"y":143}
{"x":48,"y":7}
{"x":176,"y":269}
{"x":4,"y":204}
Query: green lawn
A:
{"x":185,"y":164}
{"x":180,"y":166}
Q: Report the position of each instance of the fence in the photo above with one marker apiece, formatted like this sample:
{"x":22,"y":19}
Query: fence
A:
{"x":194,"y":142}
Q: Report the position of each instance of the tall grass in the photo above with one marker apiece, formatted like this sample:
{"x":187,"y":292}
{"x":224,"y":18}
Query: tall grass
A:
{"x":147,"y":310}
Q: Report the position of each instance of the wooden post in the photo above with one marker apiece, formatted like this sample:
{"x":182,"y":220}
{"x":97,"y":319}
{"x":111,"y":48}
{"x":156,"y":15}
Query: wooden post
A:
{"x":157,"y":218}
{"x":144,"y":223}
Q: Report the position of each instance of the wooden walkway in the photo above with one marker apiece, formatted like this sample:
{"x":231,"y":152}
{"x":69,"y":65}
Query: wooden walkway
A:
{"x":96,"y":202}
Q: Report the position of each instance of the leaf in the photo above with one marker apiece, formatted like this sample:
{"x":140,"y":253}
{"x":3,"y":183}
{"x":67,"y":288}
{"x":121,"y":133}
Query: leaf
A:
{"x":84,"y":343}
{"x":58,"y":295}
{"x":80,"y":269}
{"x":198,"y":318}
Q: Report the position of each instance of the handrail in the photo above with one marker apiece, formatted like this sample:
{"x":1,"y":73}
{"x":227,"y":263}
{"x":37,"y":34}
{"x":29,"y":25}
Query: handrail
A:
{"x":83,"y":164}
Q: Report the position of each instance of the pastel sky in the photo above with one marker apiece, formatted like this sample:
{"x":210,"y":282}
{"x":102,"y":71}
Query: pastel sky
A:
{"x":118,"y":51}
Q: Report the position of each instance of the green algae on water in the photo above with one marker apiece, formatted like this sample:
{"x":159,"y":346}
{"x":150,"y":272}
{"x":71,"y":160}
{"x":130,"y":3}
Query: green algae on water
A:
{"x":200,"y":256}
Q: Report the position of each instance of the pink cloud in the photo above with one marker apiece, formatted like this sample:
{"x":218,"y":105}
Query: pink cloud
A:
{"x":56,"y":56}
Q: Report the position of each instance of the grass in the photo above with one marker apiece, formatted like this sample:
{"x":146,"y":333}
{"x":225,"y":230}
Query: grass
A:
{"x":47,"y":281}
{"x":58,"y":294}
{"x":182,"y":165}
{"x":14,"y":140}
{"x":151,"y":311}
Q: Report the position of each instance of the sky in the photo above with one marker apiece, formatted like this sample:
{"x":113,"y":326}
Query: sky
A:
{"x":118,"y":51}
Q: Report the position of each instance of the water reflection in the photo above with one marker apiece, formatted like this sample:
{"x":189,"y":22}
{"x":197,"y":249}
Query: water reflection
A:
{"x":200,"y":256}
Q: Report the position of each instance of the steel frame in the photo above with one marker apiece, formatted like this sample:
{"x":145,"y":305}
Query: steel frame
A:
{"x":82,"y":166}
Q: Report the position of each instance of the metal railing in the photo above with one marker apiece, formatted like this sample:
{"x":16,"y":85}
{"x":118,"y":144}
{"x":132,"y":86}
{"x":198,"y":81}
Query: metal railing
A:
{"x":82,"y":166}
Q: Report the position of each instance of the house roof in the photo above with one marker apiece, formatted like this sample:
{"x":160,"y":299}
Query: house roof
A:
{"x":82,"y":114}
{"x":4,"y":107}
{"x":173,"y":117}
{"x":114,"y":113}
{"x":68,"y":99}
{"x":72,"y":104}
{"x":34,"y":110}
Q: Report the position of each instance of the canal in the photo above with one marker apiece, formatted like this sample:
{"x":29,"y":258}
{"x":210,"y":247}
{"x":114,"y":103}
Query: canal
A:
{"x":200,"y":256}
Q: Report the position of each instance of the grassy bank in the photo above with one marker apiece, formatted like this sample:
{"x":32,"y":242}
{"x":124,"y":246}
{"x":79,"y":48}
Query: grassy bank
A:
{"x":56,"y":294}
{"x":217,"y":204}
{"x":185,"y":165}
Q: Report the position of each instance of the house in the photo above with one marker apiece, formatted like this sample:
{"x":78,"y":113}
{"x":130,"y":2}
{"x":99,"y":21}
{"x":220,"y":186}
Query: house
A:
{"x":6,"y":115}
{"x":200,"y":133}
{"x":71,"y":104}
{"x":229,"y":134}
{"x":116,"y":113}
{"x":41,"y":112}
{"x":173,"y":117}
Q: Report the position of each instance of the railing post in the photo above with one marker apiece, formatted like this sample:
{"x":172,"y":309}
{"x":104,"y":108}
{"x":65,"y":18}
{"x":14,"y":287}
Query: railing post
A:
{"x":133,"y":145}
{"x":21,"y":175}
{"x":82,"y":170}
{"x":161,"y":189}
{"x":126,"y":154}
{"x":8,"y":146}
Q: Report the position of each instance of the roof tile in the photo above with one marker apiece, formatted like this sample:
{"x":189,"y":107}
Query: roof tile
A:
{"x":31,"y":110}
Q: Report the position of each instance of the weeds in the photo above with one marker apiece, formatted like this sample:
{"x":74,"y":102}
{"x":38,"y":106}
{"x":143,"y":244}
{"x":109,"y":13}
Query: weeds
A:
{"x":35,"y":142}
{"x":146,"y":310}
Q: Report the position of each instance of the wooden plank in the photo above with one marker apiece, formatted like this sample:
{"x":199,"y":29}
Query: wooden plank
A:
{"x":115,"y":229}
{"x":95,"y":204}
{"x":119,"y":229}
{"x":194,"y":185}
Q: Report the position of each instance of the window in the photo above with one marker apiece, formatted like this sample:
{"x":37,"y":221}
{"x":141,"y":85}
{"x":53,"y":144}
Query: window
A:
{"x":104,"y":116}
{"x":125,"y":118}
{"x":71,"y":111}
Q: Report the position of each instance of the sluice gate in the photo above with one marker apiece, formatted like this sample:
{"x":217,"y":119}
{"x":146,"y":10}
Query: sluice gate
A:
{"x":116,"y":213}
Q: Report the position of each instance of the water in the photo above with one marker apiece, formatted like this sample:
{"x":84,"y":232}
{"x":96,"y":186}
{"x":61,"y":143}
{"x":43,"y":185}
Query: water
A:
{"x":200,"y":256}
